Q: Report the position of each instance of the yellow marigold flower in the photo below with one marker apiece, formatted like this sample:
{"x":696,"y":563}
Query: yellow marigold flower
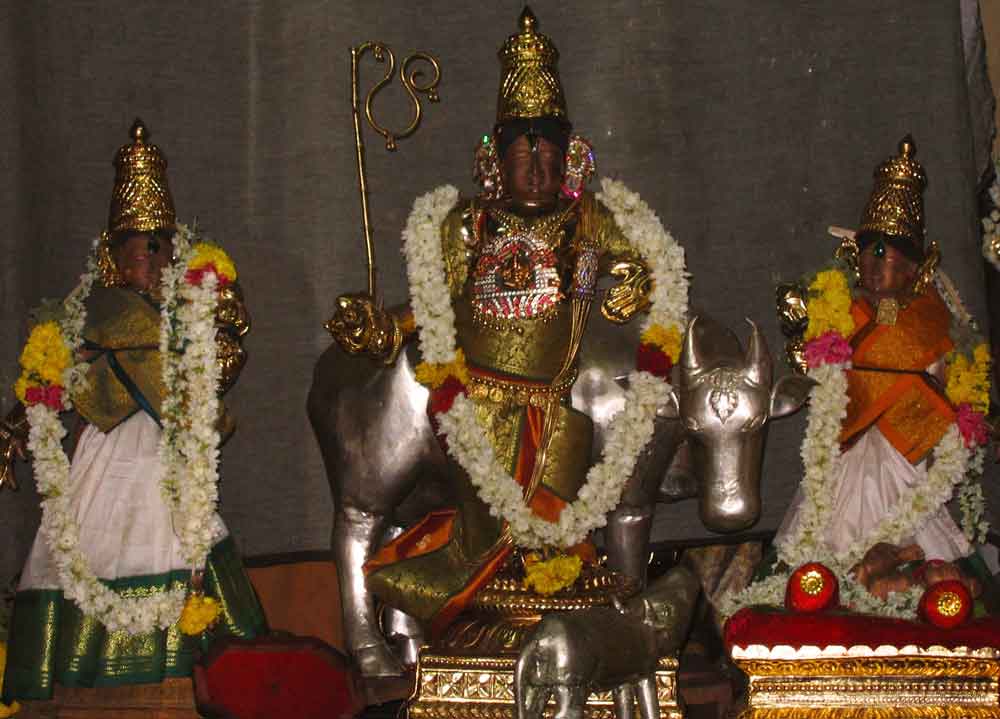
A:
{"x":6,"y":710}
{"x":981,"y":355}
{"x":829,"y":305}
{"x":548,"y":577}
{"x":199,"y":614}
{"x":668,"y":339}
{"x":205,"y":253}
{"x":46,"y":353}
{"x":969,"y":382}
{"x":434,"y":375}
{"x":21,"y":388}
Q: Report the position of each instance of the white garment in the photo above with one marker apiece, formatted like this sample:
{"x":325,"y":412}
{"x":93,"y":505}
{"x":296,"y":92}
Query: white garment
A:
{"x":125,"y":525}
{"x":872,"y":475}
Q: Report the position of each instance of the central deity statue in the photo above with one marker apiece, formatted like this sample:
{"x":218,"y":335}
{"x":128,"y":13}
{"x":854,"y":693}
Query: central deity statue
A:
{"x":502,"y":286}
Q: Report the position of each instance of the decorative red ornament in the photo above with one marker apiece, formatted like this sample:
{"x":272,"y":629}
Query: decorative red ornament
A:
{"x":652,"y":359}
{"x":812,"y":588}
{"x":946,"y":604}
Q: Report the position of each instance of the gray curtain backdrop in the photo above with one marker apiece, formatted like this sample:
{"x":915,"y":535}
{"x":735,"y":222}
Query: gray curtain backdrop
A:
{"x":749,"y":127}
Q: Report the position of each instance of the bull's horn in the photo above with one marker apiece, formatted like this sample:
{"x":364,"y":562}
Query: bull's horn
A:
{"x":758,"y":358}
{"x":692,"y":362}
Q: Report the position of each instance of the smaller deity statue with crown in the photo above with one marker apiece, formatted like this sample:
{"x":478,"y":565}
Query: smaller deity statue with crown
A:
{"x":897,"y":421}
{"x":132,"y":568}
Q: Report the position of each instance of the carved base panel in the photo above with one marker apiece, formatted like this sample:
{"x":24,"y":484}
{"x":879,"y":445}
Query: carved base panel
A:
{"x":452,"y":686}
{"x":919,"y":685}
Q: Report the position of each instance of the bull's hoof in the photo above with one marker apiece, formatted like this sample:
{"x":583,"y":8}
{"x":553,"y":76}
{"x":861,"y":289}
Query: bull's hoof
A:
{"x":376,"y":661}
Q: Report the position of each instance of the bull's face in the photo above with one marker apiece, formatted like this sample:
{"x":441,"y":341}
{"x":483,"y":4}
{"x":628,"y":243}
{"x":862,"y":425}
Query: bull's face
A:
{"x":724,"y":402}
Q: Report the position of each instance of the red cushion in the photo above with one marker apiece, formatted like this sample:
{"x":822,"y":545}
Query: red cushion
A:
{"x":771,"y":628}
{"x":274,"y":678}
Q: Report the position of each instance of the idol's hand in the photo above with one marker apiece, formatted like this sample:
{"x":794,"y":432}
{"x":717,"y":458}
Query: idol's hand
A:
{"x":13,"y":443}
{"x":361,"y":326}
{"x":630,"y":295}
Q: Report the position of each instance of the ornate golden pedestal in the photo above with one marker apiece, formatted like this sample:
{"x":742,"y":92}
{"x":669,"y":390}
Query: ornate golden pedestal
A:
{"x":862,"y":683}
{"x":469,"y":673}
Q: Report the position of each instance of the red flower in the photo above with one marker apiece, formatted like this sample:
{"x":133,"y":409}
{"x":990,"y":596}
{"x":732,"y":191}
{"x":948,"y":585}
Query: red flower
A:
{"x":829,"y":348}
{"x":972,"y":425}
{"x":195,"y":277}
{"x":812,"y":588}
{"x":50,"y":396}
{"x":441,"y":400}
{"x":946,"y":604}
{"x":652,"y":359}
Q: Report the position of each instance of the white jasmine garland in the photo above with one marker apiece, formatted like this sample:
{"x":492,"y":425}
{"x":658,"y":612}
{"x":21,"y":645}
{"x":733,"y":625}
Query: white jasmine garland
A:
{"x":188,"y":447}
{"x":820,"y":457}
{"x":661,"y":252}
{"x":429,"y":296}
{"x":630,"y":430}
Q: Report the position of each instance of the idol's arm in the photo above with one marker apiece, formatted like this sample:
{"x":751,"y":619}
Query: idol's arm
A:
{"x":13,"y":441}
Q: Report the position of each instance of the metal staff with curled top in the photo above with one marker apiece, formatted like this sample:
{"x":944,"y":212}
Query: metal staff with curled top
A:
{"x":411,"y":80}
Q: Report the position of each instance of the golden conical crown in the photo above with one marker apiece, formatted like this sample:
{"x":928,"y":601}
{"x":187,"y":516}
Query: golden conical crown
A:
{"x":529,"y":76}
{"x":896,"y":206}
{"x":141,"y":200}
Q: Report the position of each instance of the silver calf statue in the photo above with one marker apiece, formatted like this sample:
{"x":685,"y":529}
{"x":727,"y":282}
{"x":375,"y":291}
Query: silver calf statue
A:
{"x":571,"y":654}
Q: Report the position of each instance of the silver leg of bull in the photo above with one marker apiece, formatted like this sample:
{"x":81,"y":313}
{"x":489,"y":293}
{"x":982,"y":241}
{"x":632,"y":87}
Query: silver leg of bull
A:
{"x":404,"y":633}
{"x":627,"y":540}
{"x":649,"y":706}
{"x":355,"y":535}
{"x":624,"y":697}
{"x":570,"y":701}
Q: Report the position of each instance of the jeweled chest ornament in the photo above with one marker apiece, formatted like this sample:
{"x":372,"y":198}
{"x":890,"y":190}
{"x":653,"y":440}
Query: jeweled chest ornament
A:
{"x":516,"y":275}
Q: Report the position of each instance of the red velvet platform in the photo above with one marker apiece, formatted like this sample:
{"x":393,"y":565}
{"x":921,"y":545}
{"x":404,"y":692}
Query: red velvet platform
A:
{"x":771,"y":628}
{"x":274,"y":678}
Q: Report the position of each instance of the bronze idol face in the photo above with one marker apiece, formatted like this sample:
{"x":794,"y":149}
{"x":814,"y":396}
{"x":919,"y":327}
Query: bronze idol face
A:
{"x":885,"y":271}
{"x":533,"y":176}
{"x":140,"y":260}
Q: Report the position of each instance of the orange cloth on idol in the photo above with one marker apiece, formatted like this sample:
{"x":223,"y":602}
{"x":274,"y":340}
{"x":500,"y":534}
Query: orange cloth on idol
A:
{"x":910,"y":411}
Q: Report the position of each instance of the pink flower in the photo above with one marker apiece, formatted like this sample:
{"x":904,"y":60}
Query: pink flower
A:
{"x":829,"y":348}
{"x":972,"y":424}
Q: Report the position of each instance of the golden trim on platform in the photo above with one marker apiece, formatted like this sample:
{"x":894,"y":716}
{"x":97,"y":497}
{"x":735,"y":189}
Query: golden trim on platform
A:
{"x":866,"y":683}
{"x":453,"y":687}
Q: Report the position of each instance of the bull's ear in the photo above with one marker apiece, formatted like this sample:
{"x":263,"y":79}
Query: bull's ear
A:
{"x":789,"y":394}
{"x":670,"y":410}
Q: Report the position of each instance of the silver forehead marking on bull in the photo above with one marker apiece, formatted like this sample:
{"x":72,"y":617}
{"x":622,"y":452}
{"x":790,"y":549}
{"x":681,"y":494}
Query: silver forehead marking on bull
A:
{"x":724,"y":395}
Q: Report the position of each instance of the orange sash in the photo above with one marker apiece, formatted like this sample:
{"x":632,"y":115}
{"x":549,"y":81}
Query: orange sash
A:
{"x":435,"y":530}
{"x":910,"y":411}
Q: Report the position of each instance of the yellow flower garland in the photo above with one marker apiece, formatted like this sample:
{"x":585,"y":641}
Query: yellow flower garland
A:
{"x":44,"y":359}
{"x":434,"y":375}
{"x":206,"y":253}
{"x":969,"y":381}
{"x":829,"y":305}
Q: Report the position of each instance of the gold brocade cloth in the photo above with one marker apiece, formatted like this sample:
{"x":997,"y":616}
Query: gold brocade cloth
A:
{"x":122,"y":339}
{"x":509,"y":279}
{"x":888,"y":385}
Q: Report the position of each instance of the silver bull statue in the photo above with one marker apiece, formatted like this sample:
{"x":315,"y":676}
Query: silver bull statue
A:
{"x":383,"y":461}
